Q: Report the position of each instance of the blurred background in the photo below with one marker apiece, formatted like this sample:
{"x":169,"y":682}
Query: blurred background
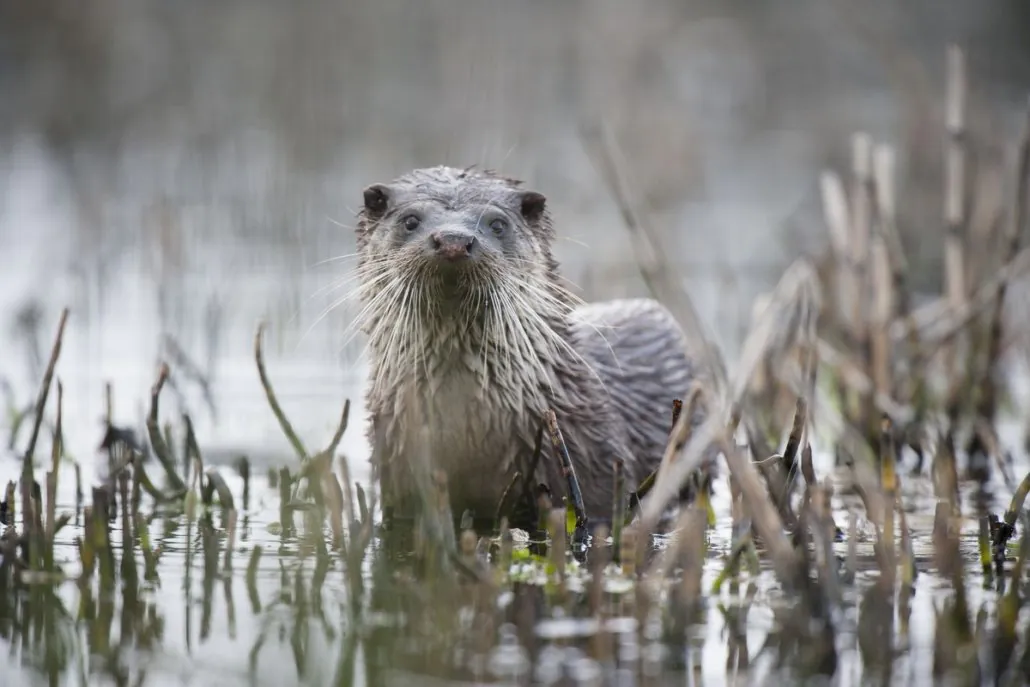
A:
{"x":174,"y":172}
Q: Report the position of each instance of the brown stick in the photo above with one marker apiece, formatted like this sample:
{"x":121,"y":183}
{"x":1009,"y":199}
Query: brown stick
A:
{"x":1013,"y":231}
{"x":272,"y":401}
{"x":44,"y":391}
{"x":954,"y":206}
{"x":41,"y":398}
{"x":157,"y":440}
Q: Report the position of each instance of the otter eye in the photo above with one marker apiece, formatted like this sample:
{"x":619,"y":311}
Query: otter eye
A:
{"x":411,"y":222}
{"x":498,"y":226}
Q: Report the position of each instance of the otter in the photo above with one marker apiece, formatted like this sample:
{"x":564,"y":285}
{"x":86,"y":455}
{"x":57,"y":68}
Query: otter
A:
{"x":473,"y":336}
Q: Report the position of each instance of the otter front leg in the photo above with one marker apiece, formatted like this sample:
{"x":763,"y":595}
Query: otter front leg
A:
{"x":388,"y":472}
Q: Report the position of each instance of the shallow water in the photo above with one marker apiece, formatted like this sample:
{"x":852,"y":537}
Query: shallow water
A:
{"x":206,"y":639}
{"x":114,"y":335}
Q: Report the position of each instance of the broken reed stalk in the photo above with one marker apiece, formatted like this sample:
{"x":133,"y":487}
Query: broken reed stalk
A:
{"x":984,"y":546}
{"x":822,"y":531}
{"x":27,"y":479}
{"x":1009,"y":606}
{"x":889,"y":485}
{"x":954,"y":636}
{"x":534,"y":461}
{"x":796,"y":298}
{"x":884,"y":276}
{"x":1007,"y":527}
{"x":988,"y":402}
{"x":764,"y":517}
{"x":679,"y":435}
{"x":333,"y":495}
{"x":52,"y":476}
{"x":569,"y":473}
{"x":277,"y":410}
{"x":687,"y":552}
{"x":797,"y":429}
{"x":341,"y":428}
{"x":859,"y":250}
{"x":150,"y":556}
{"x":908,"y":569}
{"x":893,"y":301}
{"x":214,"y":483}
{"x":157,"y":441}
{"x":504,"y":503}
{"x":836,"y":215}
{"x":743,"y":541}
{"x":780,"y":474}
{"x":954,"y":207}
{"x":243,"y":468}
{"x":230,"y":538}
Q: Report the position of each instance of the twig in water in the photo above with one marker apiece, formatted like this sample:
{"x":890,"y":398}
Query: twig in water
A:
{"x":679,"y":435}
{"x":41,"y":398}
{"x":502,"y":505}
{"x":287,"y":428}
{"x":765,"y":518}
{"x":215,"y":483}
{"x":334,"y":443}
{"x":888,"y":482}
{"x":1007,"y":527}
{"x":569,"y":472}
{"x":157,"y":441}
{"x":988,"y":399}
{"x":529,"y":482}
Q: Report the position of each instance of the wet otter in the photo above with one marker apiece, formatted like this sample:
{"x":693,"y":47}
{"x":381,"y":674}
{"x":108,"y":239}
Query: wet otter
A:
{"x":471,"y":332}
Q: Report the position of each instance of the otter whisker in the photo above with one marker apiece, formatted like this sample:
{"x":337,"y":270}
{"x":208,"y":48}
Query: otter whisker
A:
{"x":423,"y":352}
{"x":496,"y":330}
{"x":543,"y":295}
{"x":338,"y":223}
{"x":395,"y":348}
{"x":382,"y":298}
{"x":340,"y":283}
{"x":336,"y":258}
{"x":372,"y":311}
{"x":549,"y":333}
{"x":533,"y":323}
{"x":332,"y":307}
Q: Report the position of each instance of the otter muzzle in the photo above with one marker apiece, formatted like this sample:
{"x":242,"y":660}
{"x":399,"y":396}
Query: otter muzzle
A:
{"x":452,"y":245}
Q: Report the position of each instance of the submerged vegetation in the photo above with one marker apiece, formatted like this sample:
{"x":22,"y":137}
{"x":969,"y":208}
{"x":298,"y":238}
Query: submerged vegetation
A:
{"x":839,"y":361}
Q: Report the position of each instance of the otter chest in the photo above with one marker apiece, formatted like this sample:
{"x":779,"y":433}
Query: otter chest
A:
{"x":476,"y":430}
{"x":473,"y":427}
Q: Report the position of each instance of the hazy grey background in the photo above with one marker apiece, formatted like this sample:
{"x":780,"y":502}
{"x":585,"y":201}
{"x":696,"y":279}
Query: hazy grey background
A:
{"x":181,"y":167}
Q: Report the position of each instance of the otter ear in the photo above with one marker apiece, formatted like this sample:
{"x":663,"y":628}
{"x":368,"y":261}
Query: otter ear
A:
{"x":532,"y":205}
{"x":377,"y":199}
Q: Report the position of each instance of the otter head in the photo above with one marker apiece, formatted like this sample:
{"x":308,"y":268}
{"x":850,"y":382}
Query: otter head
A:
{"x":456,"y":229}
{"x":453,"y":260}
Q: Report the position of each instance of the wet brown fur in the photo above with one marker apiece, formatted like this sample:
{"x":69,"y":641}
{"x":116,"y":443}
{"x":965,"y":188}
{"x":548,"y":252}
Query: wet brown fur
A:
{"x":449,"y":387}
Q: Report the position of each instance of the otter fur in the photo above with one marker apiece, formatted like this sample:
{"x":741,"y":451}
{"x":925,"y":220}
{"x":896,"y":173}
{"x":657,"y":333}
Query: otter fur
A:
{"x":473,"y":337}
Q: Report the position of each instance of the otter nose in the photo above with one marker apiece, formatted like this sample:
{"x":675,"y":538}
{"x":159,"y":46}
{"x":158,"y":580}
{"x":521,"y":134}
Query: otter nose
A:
{"x":452,"y":245}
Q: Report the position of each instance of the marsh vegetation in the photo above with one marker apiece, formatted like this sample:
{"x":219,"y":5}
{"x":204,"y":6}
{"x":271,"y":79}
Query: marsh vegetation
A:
{"x":864,"y":522}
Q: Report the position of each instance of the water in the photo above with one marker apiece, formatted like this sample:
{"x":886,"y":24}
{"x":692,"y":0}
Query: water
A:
{"x":244,"y":244}
{"x":208,"y":628}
